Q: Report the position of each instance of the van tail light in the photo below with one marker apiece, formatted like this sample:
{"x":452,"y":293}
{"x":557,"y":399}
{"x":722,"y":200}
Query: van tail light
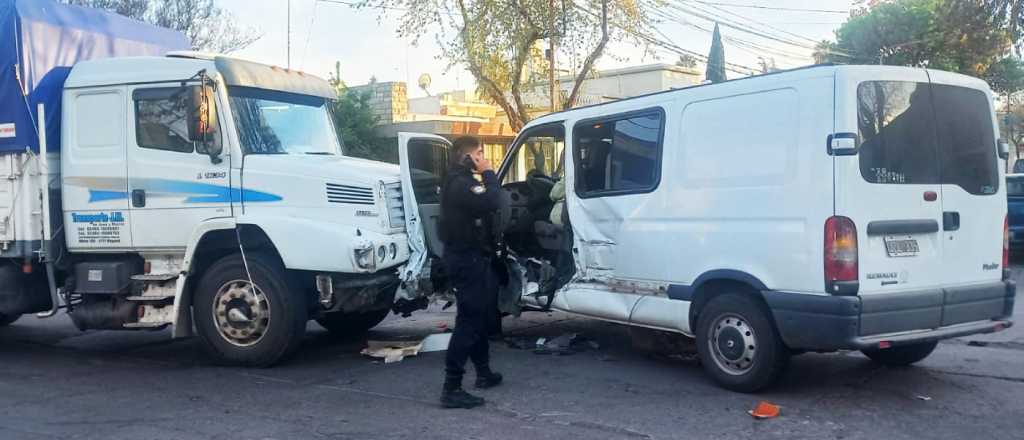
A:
{"x":840,"y":255}
{"x":1006,"y":246}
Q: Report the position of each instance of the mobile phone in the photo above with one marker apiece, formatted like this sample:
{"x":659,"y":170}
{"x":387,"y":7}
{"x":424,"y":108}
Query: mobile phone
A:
{"x":467,"y":162}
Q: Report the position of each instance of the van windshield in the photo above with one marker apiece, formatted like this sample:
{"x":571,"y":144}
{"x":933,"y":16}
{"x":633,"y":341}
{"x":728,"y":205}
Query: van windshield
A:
{"x":271,"y":122}
{"x":919,"y":133}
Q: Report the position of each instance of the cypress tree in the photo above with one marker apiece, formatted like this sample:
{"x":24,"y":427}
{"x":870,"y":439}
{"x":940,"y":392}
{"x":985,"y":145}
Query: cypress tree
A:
{"x":716,"y":58}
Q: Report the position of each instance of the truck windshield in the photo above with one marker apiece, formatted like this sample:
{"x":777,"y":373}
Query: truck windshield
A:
{"x":271,"y":122}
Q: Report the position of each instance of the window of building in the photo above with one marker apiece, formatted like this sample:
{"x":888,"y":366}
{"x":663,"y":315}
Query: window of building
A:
{"x":618,"y":155}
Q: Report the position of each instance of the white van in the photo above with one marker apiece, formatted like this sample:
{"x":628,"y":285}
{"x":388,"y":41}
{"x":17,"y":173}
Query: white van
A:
{"x":819,"y":209}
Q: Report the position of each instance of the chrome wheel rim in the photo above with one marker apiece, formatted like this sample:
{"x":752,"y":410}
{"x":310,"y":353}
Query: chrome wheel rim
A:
{"x":732,"y":344}
{"x":242,"y":313}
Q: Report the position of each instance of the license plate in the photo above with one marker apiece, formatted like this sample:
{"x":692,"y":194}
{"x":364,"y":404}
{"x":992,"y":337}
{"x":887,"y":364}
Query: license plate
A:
{"x":903,"y":246}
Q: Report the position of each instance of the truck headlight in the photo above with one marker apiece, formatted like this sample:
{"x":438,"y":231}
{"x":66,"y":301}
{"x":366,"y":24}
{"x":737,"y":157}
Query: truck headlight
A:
{"x":394,"y":250}
{"x":381,"y":253}
{"x":364,"y":257}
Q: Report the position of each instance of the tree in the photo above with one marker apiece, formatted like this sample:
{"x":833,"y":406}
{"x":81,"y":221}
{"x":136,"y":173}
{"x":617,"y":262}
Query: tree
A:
{"x":1009,"y":13}
{"x":716,"y":58}
{"x":355,"y":121}
{"x":1006,"y":76}
{"x":498,"y":40}
{"x":823,"y":51}
{"x":956,"y":35}
{"x":687,"y":62}
{"x":208,"y":27}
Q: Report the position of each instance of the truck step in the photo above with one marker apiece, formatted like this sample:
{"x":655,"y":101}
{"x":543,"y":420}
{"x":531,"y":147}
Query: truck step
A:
{"x":150,"y":297}
{"x":146,"y":324}
{"x":159,"y":277}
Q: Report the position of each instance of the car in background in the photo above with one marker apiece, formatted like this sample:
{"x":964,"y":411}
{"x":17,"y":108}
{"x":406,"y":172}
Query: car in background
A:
{"x":1015,"y":211}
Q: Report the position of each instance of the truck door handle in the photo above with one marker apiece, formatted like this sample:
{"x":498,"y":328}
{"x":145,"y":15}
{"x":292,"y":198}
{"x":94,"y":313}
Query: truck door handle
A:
{"x":138,"y":198}
{"x":950,"y":221}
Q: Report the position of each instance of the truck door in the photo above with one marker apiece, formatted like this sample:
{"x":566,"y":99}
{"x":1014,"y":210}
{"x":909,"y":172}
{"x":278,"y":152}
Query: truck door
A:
{"x":173,"y":184}
{"x":423,"y":159}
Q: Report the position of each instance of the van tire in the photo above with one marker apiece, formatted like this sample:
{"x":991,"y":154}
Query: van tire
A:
{"x":901,"y":355}
{"x":739,"y":318}
{"x":343,"y":324}
{"x":276,"y":313}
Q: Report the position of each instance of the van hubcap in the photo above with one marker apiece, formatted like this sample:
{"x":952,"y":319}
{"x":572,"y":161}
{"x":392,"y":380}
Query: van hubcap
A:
{"x":242,"y":313}
{"x":732,"y":344}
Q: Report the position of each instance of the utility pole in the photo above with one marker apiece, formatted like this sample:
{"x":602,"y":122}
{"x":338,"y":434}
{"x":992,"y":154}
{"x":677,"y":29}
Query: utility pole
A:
{"x":551,"y":57}
{"x":289,"y":37}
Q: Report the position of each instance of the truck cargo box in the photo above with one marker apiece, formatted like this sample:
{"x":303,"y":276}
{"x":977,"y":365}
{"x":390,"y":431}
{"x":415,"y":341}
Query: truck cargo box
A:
{"x":42,"y":40}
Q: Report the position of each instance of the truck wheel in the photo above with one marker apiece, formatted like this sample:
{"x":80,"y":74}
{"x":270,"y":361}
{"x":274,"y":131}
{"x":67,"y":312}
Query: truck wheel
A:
{"x":351,"y":324}
{"x":243,"y":325}
{"x":902,"y":355}
{"x":738,"y":344}
{"x":6,"y":320}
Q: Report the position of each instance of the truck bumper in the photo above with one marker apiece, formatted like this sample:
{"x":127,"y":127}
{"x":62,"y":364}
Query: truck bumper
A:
{"x":826,"y":323}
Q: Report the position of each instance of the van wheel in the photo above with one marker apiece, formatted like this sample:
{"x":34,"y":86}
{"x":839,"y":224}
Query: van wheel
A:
{"x":242,"y":324}
{"x":352,"y":324}
{"x":738,"y":344}
{"x":901,"y":355}
{"x":6,"y":320}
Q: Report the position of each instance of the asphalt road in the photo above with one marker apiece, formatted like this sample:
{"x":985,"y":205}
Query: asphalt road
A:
{"x":58,"y":383}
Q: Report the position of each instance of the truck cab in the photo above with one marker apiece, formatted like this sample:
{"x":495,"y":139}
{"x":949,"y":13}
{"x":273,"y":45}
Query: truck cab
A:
{"x":212,"y":194}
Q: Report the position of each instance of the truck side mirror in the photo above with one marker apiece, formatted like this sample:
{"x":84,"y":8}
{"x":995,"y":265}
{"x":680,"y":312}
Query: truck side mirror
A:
{"x":1004,"y":149}
{"x":202,"y":120}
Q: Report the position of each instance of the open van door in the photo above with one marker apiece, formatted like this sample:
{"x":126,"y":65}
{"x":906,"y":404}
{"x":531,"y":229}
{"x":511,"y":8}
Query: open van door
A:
{"x":424,"y":160}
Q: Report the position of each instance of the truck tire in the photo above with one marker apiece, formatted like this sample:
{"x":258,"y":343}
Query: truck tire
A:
{"x":352,"y":324}
{"x":6,"y":320}
{"x":738,"y":344}
{"x":240,"y":325}
{"x":902,"y":355}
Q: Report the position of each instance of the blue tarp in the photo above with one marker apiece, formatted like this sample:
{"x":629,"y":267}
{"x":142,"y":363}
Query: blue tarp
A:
{"x":40,"y":40}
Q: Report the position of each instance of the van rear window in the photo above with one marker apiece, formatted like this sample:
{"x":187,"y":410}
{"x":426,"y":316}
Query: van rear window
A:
{"x":918,"y":133}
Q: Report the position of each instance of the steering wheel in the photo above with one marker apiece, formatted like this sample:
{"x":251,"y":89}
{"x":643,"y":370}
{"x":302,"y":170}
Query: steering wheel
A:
{"x":540,"y":184}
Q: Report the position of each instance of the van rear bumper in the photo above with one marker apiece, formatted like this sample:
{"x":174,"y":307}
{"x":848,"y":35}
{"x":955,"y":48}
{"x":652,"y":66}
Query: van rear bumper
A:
{"x":826,"y":322}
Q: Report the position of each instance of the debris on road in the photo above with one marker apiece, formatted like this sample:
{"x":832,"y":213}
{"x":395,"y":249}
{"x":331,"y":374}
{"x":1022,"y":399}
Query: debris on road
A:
{"x":977,"y":343}
{"x":764,"y":410}
{"x":395,"y":351}
{"x":924,"y":398}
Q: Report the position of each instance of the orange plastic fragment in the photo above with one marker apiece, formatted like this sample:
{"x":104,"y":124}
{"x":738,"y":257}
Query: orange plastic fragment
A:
{"x":764,"y":410}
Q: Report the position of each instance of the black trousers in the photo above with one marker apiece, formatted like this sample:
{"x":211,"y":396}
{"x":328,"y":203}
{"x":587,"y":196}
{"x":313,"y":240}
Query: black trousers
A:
{"x":474,"y":281}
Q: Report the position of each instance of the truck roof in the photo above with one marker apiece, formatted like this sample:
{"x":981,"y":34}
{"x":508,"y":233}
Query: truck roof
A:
{"x":134,"y":70}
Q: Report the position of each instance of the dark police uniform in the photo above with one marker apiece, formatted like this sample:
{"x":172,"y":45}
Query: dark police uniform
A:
{"x":468,"y":208}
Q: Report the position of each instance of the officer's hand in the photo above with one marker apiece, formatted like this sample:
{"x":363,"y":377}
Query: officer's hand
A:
{"x":480,"y":164}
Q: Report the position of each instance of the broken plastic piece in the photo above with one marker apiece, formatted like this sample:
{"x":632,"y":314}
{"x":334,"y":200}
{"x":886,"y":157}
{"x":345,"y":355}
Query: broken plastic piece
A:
{"x":924,"y":398}
{"x":395,"y":351}
{"x":764,"y":410}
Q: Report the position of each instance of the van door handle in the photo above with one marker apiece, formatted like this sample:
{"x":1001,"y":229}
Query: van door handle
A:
{"x":139,"y":198}
{"x":950,"y":221}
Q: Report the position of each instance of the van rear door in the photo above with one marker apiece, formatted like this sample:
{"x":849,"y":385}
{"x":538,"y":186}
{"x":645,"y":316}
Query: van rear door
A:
{"x":973,"y":196}
{"x":890,"y":186}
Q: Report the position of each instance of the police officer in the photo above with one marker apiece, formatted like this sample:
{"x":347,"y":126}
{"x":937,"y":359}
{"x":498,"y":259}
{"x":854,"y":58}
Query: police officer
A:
{"x":468,"y":207}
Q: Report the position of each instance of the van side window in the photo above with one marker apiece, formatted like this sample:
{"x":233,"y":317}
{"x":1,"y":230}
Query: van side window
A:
{"x":161,"y":121}
{"x":618,"y":155}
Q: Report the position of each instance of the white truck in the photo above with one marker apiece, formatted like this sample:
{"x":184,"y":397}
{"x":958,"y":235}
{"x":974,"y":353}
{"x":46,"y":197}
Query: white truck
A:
{"x":178,"y":183}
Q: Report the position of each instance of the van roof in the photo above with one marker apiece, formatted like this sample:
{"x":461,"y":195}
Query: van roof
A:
{"x":560,"y":115}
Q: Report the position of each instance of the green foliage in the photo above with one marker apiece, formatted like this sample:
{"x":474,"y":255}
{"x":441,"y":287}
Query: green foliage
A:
{"x":687,"y":61}
{"x":716,"y":58}
{"x":354,"y":121}
{"x":1006,"y":76}
{"x":499,"y":41}
{"x":957,"y":35}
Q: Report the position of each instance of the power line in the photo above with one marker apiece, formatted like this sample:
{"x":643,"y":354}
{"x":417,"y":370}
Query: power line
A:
{"x":773,"y":8}
{"x":743,"y":44}
{"x":762,"y":24}
{"x":711,"y":17}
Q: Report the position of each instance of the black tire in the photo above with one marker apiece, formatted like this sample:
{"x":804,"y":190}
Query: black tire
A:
{"x":6,"y":320}
{"x":901,"y":355}
{"x":741,"y":320}
{"x":352,"y":324}
{"x":279,"y":332}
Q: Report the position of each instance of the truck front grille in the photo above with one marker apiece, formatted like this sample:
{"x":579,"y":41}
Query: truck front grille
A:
{"x":355,"y":195}
{"x":396,"y":207}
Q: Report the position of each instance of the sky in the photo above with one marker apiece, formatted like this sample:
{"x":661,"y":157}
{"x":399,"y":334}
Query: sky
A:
{"x":367,"y":45}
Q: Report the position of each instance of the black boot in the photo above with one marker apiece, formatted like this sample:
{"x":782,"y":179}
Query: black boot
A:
{"x":485,"y":378}
{"x":454,"y":396}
